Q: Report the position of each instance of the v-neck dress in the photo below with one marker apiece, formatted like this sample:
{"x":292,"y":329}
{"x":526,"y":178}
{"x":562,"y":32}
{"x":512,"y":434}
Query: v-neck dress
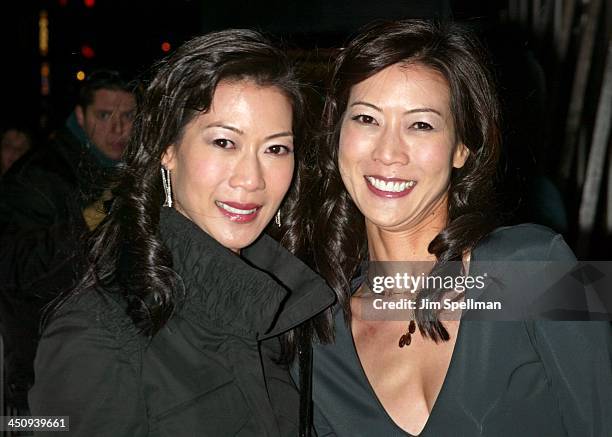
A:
{"x":512,"y":378}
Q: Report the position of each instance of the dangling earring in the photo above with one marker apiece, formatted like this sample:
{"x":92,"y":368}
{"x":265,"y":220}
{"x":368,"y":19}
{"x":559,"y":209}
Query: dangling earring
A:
{"x":167,"y":186}
{"x":277,"y":219}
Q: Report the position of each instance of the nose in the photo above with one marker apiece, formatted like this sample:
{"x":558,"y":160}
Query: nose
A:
{"x":389,"y":148}
{"x":117,"y":124}
{"x":248,"y":174}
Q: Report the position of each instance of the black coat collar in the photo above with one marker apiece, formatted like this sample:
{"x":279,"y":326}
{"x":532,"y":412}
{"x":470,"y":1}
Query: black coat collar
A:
{"x":262,"y":293}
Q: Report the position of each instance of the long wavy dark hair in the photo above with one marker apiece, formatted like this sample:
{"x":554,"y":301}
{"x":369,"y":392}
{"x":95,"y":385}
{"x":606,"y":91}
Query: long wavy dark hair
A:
{"x":334,"y":229}
{"x":124,"y":253}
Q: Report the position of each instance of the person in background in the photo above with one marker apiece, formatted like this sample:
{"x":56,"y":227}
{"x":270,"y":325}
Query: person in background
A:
{"x":47,"y":201}
{"x":14,"y":143}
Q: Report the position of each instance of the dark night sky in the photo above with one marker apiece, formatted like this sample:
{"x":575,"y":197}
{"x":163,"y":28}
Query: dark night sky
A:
{"x":128,"y":35}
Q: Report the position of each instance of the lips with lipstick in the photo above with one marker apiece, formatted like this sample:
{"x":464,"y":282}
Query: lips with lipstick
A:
{"x":239,"y":212}
{"x":389,"y":187}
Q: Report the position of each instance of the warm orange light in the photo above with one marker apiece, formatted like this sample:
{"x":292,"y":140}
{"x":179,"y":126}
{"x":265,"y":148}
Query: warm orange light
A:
{"x":43,"y":33}
{"x":80,"y":75}
{"x":44,"y":79}
{"x":90,"y":3}
{"x":87,"y":52}
{"x":165,"y":47}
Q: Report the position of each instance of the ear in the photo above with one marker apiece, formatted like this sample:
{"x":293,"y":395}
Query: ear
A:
{"x":168,"y":159}
{"x":461,"y":155}
{"x":80,"y":115}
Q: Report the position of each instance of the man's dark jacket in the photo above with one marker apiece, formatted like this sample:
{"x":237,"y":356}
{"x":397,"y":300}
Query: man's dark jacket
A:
{"x":41,"y":223}
{"x":210,"y":371}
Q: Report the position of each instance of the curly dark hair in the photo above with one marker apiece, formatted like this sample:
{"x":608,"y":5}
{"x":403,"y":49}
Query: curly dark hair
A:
{"x":336,"y":243}
{"x":124,"y":252}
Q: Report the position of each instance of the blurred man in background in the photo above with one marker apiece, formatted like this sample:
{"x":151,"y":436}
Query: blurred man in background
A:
{"x":49,"y":199}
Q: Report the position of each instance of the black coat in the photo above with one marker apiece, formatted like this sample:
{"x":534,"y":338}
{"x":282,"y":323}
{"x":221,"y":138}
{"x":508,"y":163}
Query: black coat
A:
{"x":41,"y":201}
{"x":209,"y":372}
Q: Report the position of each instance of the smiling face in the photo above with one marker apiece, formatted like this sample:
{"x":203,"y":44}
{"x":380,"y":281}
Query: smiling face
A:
{"x":398,"y":146}
{"x":234,"y":163}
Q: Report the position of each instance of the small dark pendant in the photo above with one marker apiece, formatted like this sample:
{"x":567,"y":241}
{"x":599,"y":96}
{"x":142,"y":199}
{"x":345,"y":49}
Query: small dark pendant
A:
{"x":406,"y":339}
{"x":411,"y":327}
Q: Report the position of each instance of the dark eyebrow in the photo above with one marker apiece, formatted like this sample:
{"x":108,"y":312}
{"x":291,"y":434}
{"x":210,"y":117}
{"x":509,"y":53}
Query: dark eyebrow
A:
{"x":359,"y":102}
{"x":412,"y":111}
{"x":239,"y":132}
{"x":221,"y":125}
{"x":278,"y":135}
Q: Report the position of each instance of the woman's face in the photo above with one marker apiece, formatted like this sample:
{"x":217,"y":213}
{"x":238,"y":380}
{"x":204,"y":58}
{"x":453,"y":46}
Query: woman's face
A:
{"x":234,"y":163}
{"x":398,"y":146}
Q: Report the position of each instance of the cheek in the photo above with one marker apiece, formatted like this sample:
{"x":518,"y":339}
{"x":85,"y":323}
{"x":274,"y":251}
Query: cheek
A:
{"x":351,"y":149}
{"x":351,"y":142}
{"x":436,"y":159}
{"x":279,"y":176}
{"x":99,"y":129}
{"x":344,"y":166}
{"x":200,"y":176}
{"x":356,"y":143}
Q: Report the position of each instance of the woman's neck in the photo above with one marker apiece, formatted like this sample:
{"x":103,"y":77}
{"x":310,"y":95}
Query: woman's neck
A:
{"x":407,"y":243}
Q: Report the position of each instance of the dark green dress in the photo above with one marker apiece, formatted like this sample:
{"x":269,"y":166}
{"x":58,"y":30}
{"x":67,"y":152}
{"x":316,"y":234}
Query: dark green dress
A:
{"x":528,"y":378}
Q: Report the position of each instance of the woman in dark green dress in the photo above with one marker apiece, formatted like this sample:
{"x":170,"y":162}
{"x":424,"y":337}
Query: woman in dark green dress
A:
{"x":405,"y":174}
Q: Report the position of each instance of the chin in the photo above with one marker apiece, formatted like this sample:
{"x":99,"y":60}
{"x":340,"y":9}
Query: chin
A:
{"x":239,"y":242}
{"x":384,"y":221}
{"x":113,"y":156}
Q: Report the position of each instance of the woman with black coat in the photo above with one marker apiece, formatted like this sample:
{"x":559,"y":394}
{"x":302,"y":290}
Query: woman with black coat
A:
{"x":174,"y":327}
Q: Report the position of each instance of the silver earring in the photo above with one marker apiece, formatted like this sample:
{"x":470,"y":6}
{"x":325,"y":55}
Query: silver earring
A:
{"x":167,"y":186}
{"x":277,"y":218}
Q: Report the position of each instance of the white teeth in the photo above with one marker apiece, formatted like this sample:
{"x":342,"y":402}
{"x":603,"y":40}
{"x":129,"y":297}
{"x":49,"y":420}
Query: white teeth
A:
{"x":393,"y":187}
{"x":235,"y":210}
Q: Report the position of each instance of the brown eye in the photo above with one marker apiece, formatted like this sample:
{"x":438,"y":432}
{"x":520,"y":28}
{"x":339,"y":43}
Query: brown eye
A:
{"x":421,"y":125}
{"x":364,"y":119}
{"x":223,"y":143}
{"x":278,"y":149}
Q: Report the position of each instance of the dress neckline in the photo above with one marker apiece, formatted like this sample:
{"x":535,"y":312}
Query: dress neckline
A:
{"x":443,"y":388}
{"x":447,"y":378}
